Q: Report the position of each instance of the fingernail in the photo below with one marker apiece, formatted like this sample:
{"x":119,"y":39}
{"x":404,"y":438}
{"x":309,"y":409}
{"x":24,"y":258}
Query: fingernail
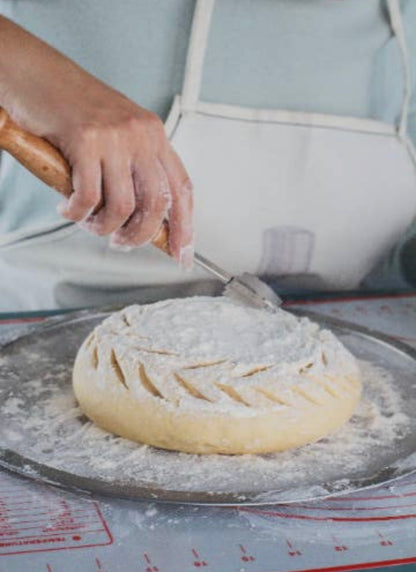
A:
{"x":88,"y":225}
{"x":89,"y":217}
{"x":186,"y":257}
{"x":61,"y":208}
{"x":116,"y":244}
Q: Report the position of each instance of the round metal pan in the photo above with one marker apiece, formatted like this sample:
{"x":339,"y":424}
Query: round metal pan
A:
{"x":44,"y":357}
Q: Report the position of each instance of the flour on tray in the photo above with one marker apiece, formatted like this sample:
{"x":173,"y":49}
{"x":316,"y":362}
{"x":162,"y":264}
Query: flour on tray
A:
{"x":53,"y":431}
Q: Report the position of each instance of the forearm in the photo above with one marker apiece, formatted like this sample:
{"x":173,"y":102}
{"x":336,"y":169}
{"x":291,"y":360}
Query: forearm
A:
{"x":31,"y":72}
{"x":38,"y":84}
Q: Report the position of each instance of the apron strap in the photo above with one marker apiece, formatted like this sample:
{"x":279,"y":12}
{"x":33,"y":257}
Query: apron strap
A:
{"x":398,"y":29}
{"x":196,"y":53}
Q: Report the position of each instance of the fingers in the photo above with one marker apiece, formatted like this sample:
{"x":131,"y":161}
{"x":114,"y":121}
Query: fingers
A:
{"x":152,"y":203}
{"x":86,"y":182}
{"x":126,"y":181}
{"x":181,"y":234}
{"x":119,"y":201}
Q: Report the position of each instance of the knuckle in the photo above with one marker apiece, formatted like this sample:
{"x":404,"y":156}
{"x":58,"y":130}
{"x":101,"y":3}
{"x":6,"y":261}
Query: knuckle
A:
{"x":187,"y":186}
{"x":148,"y":127}
{"x":162,"y":200}
{"x":165,"y":201}
{"x":131,"y":123}
{"x":153,"y":121}
{"x":154,"y":126}
{"x":124,"y":208}
{"x":88,"y":198}
{"x":86,"y":133}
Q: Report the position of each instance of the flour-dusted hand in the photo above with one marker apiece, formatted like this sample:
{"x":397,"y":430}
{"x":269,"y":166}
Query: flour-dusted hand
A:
{"x":126,"y":176}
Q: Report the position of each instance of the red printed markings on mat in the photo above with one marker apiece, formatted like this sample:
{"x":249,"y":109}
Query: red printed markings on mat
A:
{"x":198,"y":561}
{"x":45,"y":521}
{"x":246,"y":557}
{"x":380,"y":506}
{"x":150,"y":566}
{"x":338,"y":545}
{"x":292,"y":550}
{"x":383,"y":541}
{"x":100,"y":566}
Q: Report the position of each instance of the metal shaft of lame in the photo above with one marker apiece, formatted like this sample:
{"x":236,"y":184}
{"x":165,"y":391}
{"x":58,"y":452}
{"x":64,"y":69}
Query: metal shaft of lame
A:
{"x":212,"y":268}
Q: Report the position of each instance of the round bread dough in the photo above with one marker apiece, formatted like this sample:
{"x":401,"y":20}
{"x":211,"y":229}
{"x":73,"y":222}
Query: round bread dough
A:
{"x":206,"y":375}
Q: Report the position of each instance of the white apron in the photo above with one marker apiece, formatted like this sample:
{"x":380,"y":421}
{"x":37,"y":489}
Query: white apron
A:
{"x":277,"y":193}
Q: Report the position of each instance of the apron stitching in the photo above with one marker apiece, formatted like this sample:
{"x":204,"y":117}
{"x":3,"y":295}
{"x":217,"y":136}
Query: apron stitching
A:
{"x":174,"y":116}
{"x":411,"y":148}
{"x":296,"y":124}
{"x":198,"y":41}
{"x":398,"y":29}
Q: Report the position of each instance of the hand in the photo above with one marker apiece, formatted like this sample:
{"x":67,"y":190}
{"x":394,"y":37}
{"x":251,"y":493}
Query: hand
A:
{"x":126,"y":176}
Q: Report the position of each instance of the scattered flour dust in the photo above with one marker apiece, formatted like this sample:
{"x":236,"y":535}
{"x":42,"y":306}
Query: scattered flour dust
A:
{"x":42,"y":422}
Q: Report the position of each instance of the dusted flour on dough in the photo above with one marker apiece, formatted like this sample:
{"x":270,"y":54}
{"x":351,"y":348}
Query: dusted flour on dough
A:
{"x":207,"y":375}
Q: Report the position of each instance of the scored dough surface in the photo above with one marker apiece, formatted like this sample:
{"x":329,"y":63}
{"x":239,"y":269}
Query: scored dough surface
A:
{"x":205,"y":375}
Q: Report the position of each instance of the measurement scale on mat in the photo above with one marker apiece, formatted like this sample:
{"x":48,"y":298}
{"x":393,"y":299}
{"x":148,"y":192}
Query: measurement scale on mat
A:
{"x":44,"y":530}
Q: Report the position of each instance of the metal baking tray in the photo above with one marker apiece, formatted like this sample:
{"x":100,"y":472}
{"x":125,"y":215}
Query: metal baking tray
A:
{"x":44,"y":437}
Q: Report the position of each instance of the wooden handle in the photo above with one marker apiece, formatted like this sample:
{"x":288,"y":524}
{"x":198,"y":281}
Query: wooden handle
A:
{"x":48,"y":164}
{"x":36,"y":154}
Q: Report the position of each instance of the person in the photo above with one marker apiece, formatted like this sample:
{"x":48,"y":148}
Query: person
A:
{"x":294,"y":121}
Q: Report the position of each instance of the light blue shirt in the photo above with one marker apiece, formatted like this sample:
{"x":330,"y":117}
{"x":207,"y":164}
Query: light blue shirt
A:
{"x":323,"y":55}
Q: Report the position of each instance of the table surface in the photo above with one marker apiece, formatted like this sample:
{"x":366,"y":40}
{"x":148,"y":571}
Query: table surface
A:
{"x":46,"y":530}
